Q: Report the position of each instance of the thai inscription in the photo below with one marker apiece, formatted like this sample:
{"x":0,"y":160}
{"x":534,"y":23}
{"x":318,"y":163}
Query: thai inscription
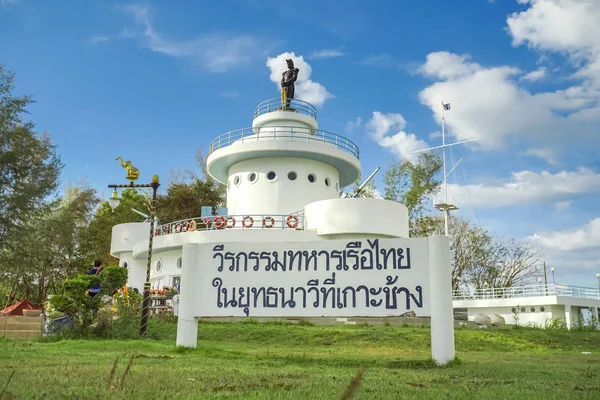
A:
{"x":364,"y":277}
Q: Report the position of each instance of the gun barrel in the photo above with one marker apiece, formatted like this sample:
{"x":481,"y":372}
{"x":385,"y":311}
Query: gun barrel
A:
{"x":368,"y":179}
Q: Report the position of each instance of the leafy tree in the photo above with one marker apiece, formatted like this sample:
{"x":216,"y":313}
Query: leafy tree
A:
{"x":411,"y":183}
{"x":29,"y":165}
{"x":78,"y":305}
{"x":188,"y":192}
{"x":96,"y":239}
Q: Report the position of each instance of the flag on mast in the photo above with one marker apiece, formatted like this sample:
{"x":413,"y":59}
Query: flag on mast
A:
{"x":446,"y":106}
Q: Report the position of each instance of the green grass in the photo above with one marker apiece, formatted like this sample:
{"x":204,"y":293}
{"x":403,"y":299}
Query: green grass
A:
{"x":285,"y":361}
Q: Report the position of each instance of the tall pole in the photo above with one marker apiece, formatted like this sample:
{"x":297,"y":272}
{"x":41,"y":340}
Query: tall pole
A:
{"x":146,"y":303}
{"x":446,"y":212}
{"x":545,"y":278}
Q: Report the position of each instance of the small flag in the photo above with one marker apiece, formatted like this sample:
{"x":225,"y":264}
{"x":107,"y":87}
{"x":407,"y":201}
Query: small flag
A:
{"x":446,"y":106}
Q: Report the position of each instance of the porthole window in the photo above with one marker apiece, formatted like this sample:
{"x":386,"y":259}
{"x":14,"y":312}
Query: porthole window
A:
{"x":292,"y":176}
{"x":271,"y":175}
{"x":312,"y":178}
{"x":158,"y":265}
{"x":522,"y":309}
{"x":542,"y":308}
{"x":327,"y":182}
{"x":179,"y":263}
{"x":236,"y":180}
{"x":514,"y":309}
{"x":124,"y":264}
{"x":532,"y":309}
{"x":252,"y":177}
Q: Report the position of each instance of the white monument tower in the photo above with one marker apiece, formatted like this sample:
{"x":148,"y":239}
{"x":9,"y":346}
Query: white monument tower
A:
{"x":287,"y":244}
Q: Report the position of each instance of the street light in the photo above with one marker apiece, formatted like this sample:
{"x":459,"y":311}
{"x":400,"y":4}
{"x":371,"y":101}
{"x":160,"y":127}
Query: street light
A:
{"x":552,"y":270}
{"x":132,"y":174}
{"x":598,"y":276}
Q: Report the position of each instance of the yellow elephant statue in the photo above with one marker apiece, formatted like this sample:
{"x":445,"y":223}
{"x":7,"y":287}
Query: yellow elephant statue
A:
{"x":132,"y":172}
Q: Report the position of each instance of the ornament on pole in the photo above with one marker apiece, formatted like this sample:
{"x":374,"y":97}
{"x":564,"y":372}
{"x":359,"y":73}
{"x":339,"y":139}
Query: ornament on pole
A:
{"x":132,"y":172}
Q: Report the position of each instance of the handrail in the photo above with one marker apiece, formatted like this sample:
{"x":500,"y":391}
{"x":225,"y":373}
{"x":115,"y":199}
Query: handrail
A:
{"x":251,"y":221}
{"x":290,"y":105}
{"x":527,"y":291}
{"x":283,"y":133}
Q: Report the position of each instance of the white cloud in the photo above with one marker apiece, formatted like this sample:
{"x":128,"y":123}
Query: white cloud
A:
{"x":306,"y":90}
{"x":560,"y":206}
{"x":536,"y":75}
{"x":377,"y":60}
{"x":328,"y":53}
{"x":488,"y":104}
{"x":585,"y":237}
{"x":352,"y":125}
{"x":549,"y":155}
{"x":527,"y":187}
{"x":213,"y":52}
{"x":388,"y":131}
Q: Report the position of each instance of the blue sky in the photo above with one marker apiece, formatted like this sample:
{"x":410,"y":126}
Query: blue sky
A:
{"x":153,"y":81}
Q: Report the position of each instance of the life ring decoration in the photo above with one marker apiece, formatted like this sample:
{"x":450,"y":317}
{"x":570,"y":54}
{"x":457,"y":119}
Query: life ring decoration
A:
{"x":192,"y":226}
{"x":292,"y":221}
{"x":230,"y":222}
{"x":206,"y":221}
{"x":219,"y":222}
{"x":247,"y":221}
{"x":268,"y":222}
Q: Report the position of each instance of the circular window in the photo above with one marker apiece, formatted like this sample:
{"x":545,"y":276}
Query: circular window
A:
{"x":271,"y":175}
{"x":312,"y":178}
{"x":327,"y":182}
{"x":522,"y":309}
{"x":514,"y":309}
{"x":542,"y":308}
{"x":532,"y":309}
{"x":158,"y":265}
{"x":252,"y":176}
{"x":124,"y":264}
{"x":236,"y":180}
{"x":292,"y":176}
{"x":179,"y":263}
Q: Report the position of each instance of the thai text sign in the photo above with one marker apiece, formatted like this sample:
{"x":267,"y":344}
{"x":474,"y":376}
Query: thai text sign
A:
{"x":368,"y":277}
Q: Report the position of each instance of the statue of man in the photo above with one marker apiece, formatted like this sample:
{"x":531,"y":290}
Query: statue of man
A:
{"x":287,"y":81}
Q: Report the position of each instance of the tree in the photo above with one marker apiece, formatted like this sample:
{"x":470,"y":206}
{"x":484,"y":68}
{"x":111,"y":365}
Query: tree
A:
{"x":411,"y":183}
{"x":29,"y":165}
{"x":96,"y":239}
{"x":188,"y":192}
{"x":48,"y":251}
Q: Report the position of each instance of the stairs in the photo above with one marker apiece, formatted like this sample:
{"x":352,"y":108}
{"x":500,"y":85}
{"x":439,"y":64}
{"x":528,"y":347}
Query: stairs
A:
{"x":18,"y":326}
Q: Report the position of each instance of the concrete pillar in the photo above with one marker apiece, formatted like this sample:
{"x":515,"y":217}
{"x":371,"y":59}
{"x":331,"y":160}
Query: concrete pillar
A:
{"x":595,"y":321}
{"x":187,"y":323}
{"x":568,"y":318}
{"x":440,"y":286}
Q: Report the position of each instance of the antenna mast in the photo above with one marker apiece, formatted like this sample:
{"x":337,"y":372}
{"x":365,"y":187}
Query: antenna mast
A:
{"x":445,"y":205}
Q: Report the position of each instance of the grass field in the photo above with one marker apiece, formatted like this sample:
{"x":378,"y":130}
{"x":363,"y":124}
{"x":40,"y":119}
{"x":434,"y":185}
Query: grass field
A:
{"x":289,"y":361}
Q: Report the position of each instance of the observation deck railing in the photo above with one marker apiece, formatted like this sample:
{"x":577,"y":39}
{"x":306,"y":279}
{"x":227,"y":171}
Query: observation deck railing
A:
{"x":527,"y":291}
{"x":284,"y":133}
{"x":294,"y":221}
{"x":290,"y":105}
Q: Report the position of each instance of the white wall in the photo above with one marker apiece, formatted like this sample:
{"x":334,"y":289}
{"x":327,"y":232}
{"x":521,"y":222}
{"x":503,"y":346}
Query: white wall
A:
{"x":170,"y":267}
{"x":357,"y":216}
{"x":280,"y":195}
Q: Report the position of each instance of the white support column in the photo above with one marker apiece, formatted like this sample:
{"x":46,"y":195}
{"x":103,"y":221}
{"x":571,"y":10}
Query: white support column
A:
{"x":187,"y":323}
{"x":595,"y":321}
{"x":568,"y":317}
{"x":442,"y":315}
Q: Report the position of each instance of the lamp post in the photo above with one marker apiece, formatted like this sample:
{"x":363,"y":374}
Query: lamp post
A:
{"x":552,"y":270}
{"x":540,"y":283}
{"x":133,"y":174}
{"x":598,"y":276}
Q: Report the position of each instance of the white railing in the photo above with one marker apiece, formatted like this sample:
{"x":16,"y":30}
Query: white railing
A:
{"x":294,"y":221}
{"x":526,"y":291}
{"x":291,"y":105}
{"x":284,"y":133}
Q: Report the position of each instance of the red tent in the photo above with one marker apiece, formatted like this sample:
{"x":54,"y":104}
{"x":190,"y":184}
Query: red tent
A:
{"x":17,"y":309}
